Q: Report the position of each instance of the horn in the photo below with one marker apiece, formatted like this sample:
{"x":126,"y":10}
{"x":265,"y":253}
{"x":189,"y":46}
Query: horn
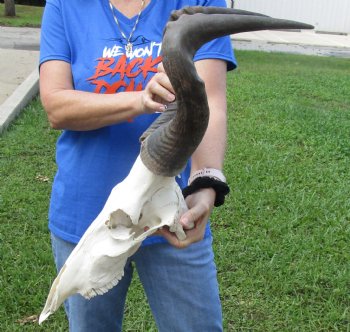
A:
{"x":169,"y":145}
{"x":210,"y":10}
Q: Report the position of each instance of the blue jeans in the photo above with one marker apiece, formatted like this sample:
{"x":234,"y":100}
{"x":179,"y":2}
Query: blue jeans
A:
{"x":180,"y":284}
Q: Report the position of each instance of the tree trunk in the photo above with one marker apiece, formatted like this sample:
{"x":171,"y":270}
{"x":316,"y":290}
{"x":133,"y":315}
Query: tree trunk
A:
{"x":10,"y":9}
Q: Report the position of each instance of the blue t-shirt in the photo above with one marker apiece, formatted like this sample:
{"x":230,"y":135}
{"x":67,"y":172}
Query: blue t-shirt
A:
{"x":90,"y":163}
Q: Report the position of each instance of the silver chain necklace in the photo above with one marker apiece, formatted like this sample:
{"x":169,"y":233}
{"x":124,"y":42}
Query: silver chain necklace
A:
{"x":128,"y":46}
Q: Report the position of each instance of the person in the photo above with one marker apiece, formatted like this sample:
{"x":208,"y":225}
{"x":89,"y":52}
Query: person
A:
{"x":102,"y":83}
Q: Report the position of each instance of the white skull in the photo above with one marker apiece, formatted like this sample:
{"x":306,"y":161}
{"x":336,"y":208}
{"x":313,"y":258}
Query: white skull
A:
{"x":135,"y":209}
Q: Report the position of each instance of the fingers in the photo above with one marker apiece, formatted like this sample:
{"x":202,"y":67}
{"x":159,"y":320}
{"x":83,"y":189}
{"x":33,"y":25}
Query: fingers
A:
{"x":158,"y":92}
{"x":193,"y":224}
{"x":194,"y":220}
{"x":188,"y":219}
{"x":172,"y":238}
{"x":161,"y":87}
{"x":196,"y":234}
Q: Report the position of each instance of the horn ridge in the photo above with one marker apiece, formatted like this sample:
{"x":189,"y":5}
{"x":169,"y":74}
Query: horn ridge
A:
{"x":191,"y":10}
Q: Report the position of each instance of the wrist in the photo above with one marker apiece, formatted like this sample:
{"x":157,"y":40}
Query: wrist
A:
{"x":208,"y":178}
{"x":210,"y":194}
{"x":137,"y":103}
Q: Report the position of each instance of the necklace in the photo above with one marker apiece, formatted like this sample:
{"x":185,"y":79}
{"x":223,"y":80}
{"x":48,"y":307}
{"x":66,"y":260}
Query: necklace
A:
{"x":128,"y":46}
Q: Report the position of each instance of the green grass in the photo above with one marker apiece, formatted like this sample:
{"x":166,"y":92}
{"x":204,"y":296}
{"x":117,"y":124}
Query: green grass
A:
{"x":282,"y":238}
{"x":26,"y":16}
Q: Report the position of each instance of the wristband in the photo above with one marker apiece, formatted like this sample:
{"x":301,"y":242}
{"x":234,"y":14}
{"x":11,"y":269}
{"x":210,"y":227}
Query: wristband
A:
{"x":221,"y":188}
{"x":208,"y":172}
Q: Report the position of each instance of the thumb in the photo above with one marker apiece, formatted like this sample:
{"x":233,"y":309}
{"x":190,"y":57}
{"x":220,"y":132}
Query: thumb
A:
{"x":189,"y":218}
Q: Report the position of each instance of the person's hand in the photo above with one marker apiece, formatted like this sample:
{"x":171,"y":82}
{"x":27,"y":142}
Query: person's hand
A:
{"x":158,"y":92}
{"x":194,"y":221}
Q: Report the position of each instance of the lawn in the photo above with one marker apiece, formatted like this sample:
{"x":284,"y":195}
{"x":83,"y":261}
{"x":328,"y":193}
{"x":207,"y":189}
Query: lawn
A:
{"x":282,"y":238}
{"x":26,"y":16}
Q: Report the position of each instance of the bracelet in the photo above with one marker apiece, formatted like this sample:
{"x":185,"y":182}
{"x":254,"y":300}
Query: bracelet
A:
{"x":207,"y":172}
{"x":221,"y":188}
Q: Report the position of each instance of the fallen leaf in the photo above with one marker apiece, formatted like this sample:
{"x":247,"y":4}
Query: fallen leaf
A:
{"x":42,"y":178}
{"x":29,"y":319}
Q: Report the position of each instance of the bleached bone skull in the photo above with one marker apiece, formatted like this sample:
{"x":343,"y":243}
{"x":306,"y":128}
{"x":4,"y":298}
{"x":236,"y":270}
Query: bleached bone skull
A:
{"x":149,"y":197}
{"x":135,"y":209}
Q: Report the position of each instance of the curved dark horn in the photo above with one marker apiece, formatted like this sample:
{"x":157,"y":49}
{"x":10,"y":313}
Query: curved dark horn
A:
{"x":167,"y":149}
{"x":162,"y":119}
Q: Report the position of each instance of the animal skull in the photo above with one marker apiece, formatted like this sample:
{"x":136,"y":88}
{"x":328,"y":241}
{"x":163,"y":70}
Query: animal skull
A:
{"x":149,"y":197}
{"x":135,"y":209}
